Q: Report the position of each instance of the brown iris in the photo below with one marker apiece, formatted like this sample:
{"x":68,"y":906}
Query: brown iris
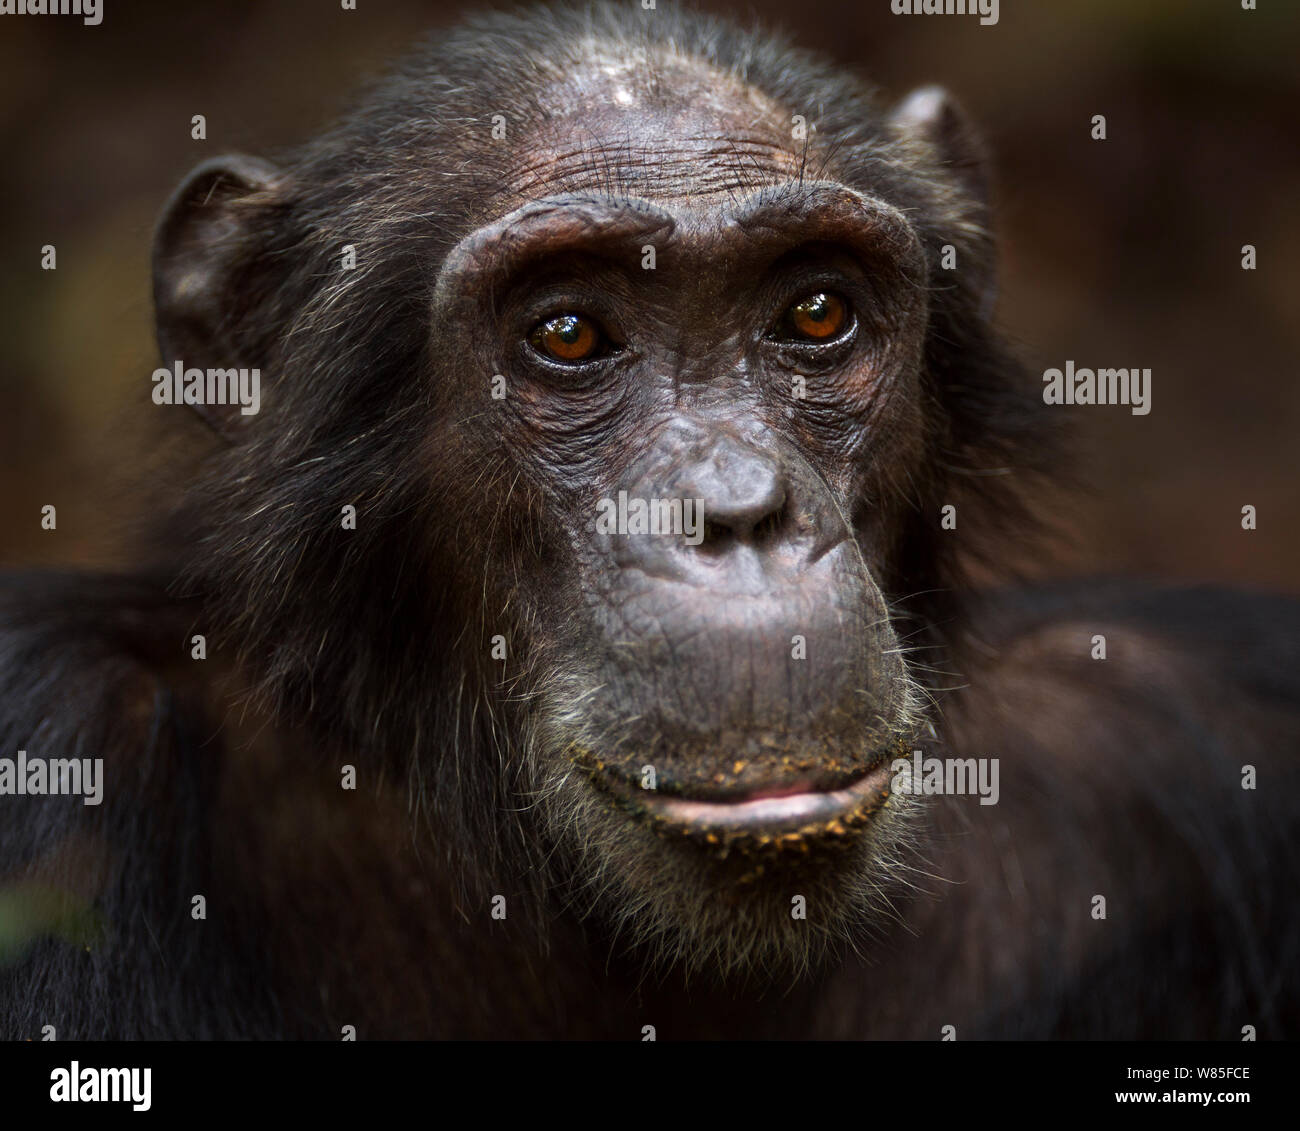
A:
{"x":816,"y":318}
{"x":566,"y":338}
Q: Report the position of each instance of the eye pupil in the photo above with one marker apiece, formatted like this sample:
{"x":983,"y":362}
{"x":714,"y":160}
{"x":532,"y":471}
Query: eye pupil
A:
{"x":566,"y":337}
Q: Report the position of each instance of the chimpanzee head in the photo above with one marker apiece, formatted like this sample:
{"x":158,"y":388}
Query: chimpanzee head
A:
{"x":649,"y":354}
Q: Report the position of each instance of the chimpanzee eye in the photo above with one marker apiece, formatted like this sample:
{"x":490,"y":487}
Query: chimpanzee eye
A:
{"x":818,"y":317}
{"x":568,"y":339}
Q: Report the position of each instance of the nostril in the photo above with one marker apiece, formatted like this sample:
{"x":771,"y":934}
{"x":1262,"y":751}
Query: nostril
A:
{"x":768,"y":530}
{"x":717,"y":538}
{"x":721,"y":531}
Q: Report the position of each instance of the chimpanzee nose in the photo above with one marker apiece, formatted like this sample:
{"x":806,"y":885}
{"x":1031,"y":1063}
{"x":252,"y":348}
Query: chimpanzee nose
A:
{"x":738,"y":492}
{"x":743,"y":493}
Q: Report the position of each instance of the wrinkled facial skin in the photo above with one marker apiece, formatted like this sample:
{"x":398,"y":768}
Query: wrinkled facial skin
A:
{"x":711,"y":716}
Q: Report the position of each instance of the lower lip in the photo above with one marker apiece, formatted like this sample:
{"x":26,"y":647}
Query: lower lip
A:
{"x":792,"y":813}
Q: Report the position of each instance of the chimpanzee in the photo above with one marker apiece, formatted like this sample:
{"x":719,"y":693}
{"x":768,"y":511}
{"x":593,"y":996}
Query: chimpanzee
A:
{"x":580,"y":638}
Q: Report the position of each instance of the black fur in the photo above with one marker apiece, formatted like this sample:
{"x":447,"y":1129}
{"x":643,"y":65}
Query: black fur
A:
{"x":326,"y":648}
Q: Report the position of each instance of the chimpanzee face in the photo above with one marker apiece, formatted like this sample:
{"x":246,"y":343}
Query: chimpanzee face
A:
{"x":706,"y":371}
{"x":652,"y":408}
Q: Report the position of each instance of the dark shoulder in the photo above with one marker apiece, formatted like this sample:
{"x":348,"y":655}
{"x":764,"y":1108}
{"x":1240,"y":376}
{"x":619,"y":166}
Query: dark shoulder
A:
{"x":99,"y":877}
{"x":83,"y":655}
{"x":1147,"y":741}
{"x":1249,"y":643}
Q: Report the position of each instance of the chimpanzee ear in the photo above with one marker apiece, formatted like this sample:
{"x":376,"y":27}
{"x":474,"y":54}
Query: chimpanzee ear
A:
{"x":205,"y":249}
{"x":931,"y":115}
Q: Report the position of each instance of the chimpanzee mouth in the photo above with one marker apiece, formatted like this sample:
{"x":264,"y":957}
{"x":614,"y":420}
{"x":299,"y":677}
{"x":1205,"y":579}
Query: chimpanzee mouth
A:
{"x":792,"y":810}
{"x":814,"y":805}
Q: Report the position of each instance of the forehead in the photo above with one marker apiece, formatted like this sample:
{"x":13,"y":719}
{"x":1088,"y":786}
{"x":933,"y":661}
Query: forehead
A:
{"x":659,"y":127}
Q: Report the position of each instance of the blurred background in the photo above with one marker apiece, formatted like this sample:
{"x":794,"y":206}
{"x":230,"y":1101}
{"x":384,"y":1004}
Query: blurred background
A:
{"x":1120,"y":253}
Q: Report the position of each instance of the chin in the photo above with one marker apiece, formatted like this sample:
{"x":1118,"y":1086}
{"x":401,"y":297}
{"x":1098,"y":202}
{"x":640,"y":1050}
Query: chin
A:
{"x":770,"y":878}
